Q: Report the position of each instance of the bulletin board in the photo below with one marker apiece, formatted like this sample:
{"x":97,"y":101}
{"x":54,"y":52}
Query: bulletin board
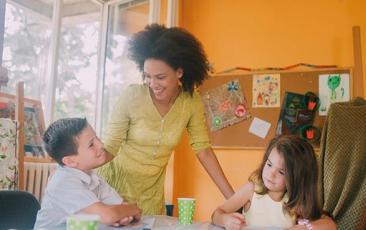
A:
{"x":300,"y":81}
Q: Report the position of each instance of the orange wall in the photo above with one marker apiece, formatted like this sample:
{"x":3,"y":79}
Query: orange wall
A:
{"x":261,"y":33}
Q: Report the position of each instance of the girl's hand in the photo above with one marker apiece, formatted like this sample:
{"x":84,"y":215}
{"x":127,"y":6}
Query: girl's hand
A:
{"x":297,"y":227}
{"x":234,"y":221}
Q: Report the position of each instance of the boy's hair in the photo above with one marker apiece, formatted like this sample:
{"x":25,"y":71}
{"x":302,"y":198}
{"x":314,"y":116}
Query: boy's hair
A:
{"x":176,"y":47}
{"x":59,"y":138}
{"x":301,"y":175}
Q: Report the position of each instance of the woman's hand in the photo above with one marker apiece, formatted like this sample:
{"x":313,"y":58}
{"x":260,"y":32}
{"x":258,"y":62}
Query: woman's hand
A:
{"x":233,"y":221}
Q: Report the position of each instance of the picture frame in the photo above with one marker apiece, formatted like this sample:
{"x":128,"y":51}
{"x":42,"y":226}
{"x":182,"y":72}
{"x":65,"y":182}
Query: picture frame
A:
{"x":34,"y":125}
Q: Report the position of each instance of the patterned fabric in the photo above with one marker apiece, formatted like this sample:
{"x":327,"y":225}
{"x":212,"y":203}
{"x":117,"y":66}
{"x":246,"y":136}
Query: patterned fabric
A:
{"x":343,"y":164}
{"x":8,"y":158}
{"x":142,"y":142}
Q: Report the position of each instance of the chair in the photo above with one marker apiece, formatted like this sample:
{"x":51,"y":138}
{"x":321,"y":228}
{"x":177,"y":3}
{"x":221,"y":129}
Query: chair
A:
{"x":343,"y":164}
{"x":18,"y":210}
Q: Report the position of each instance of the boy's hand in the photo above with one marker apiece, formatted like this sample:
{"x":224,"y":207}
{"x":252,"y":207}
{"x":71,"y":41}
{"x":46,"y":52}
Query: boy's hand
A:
{"x":124,"y":221}
{"x":234,"y":221}
{"x":133,"y":210}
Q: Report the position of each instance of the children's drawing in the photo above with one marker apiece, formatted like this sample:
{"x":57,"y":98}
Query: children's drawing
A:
{"x":225,"y":105}
{"x":266,"y":90}
{"x":33,"y":129}
{"x":297,"y":115}
{"x":332,"y":88}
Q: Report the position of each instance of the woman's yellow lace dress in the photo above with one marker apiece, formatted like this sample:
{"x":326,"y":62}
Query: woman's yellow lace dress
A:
{"x":142,"y":142}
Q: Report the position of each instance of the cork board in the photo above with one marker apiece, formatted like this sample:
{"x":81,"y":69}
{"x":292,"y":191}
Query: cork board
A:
{"x":237,"y":135}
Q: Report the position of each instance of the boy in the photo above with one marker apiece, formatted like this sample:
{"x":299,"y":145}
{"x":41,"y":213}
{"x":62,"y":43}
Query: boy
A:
{"x":75,"y":187}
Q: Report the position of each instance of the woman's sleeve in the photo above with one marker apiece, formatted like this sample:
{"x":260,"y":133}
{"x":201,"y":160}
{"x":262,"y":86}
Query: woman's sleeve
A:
{"x":118,"y":124}
{"x":196,"y":127}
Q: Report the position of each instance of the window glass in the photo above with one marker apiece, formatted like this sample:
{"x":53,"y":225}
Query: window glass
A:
{"x":27,"y":37}
{"x":124,"y":20}
{"x":27,"y":45}
{"x":77,"y":63}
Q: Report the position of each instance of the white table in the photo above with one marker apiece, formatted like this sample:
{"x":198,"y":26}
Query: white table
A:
{"x":162,"y":223}
{"x":169,"y":223}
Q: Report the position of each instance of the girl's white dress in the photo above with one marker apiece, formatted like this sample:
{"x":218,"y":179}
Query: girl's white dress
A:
{"x":265,"y":212}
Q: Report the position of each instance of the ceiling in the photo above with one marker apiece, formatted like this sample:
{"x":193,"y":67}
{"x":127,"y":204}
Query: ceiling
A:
{"x":69,"y":7}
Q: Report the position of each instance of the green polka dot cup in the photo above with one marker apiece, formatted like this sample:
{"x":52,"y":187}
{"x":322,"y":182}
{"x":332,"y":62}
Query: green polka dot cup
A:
{"x":83,"y":222}
{"x":185,"y":210}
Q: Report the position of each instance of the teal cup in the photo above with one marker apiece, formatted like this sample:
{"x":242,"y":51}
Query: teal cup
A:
{"x":169,"y":209}
{"x":83,"y":222}
{"x":186,"y":208}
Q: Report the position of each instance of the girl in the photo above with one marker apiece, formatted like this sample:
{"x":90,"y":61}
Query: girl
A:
{"x":280,"y":193}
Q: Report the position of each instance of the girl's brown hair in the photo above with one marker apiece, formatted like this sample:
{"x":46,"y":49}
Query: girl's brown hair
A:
{"x":301,"y":175}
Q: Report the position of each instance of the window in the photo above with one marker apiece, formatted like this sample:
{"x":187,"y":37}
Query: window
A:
{"x":123,"y":21}
{"x":77,"y":62}
{"x":32,"y":44}
{"x":27,"y":37}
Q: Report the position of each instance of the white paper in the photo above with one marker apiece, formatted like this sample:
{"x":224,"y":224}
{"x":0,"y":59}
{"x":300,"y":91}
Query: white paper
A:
{"x":259,"y":127}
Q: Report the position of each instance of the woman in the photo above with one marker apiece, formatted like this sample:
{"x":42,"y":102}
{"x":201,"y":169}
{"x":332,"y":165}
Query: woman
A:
{"x":148,"y":120}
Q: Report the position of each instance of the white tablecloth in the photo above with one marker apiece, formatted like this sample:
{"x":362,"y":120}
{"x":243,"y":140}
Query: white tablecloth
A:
{"x":162,"y":223}
{"x":168,"y":223}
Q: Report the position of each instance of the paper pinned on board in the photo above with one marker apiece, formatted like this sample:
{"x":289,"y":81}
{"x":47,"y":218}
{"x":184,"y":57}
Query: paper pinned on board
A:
{"x":259,"y":127}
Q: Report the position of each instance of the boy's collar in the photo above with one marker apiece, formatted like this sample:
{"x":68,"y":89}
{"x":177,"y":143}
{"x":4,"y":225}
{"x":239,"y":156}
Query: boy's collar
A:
{"x":83,"y":176}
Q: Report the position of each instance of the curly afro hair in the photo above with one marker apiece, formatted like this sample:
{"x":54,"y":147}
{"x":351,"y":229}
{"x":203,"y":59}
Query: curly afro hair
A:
{"x":176,"y":47}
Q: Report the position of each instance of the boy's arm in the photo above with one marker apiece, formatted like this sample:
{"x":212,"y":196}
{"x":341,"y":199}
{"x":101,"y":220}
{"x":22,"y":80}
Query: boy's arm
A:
{"x":110,"y":214}
{"x":225,"y":213}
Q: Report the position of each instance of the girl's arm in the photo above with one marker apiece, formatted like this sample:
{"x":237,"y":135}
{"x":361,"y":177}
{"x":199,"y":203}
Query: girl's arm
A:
{"x":324,"y":223}
{"x":225,"y":215}
{"x":209,"y":161}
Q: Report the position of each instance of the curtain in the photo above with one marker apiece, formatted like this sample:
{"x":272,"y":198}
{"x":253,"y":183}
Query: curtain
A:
{"x":8,"y":156}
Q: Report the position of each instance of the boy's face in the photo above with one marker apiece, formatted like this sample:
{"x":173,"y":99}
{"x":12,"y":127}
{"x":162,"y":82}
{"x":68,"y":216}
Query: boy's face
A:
{"x":91,"y":153}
